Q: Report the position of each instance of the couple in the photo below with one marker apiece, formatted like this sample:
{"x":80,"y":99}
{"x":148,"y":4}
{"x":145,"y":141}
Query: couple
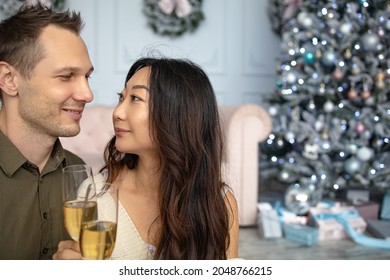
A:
{"x":165,"y":156}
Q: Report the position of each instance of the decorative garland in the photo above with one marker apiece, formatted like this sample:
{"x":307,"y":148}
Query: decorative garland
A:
{"x":173,"y":18}
{"x":9,"y":7}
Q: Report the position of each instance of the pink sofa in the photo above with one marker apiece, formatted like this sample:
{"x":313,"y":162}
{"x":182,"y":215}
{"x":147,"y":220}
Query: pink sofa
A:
{"x":244,"y":127}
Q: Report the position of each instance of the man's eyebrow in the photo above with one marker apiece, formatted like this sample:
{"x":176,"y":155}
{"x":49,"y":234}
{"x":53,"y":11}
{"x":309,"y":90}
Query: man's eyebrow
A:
{"x":140,"y":87}
{"x":71,"y":69}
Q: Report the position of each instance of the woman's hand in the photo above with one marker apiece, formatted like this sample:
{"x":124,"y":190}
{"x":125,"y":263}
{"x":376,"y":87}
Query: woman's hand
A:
{"x":68,"y":250}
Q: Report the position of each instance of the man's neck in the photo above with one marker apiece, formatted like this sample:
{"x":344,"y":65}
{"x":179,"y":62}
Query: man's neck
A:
{"x":32,"y":145}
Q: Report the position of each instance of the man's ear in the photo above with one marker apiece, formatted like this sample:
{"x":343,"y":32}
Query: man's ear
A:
{"x":8,"y":79}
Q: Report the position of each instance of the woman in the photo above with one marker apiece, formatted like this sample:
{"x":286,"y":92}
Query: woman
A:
{"x":166,"y":159}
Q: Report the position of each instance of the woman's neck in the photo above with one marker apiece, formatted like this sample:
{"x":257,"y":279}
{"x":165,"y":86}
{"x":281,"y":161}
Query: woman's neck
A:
{"x":144,"y":177}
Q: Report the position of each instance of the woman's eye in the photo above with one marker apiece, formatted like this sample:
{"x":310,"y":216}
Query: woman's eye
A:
{"x":135,"y":98}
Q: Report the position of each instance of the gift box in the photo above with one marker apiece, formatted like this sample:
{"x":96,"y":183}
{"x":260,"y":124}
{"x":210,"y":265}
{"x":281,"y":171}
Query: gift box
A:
{"x":368,"y":210}
{"x":379,"y":228}
{"x":385,"y":209}
{"x":301,"y":234}
{"x":268,"y":221}
{"x":289,"y":217}
{"x":324,"y":218}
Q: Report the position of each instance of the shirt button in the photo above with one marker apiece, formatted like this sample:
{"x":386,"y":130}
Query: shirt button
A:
{"x":45,"y":215}
{"x":45,"y":250}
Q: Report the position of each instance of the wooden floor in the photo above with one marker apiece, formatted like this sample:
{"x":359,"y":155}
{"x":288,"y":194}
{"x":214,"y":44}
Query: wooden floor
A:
{"x":252,"y":247}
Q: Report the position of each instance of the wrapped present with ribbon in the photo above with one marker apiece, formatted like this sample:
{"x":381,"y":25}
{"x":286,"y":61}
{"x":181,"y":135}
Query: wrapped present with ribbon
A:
{"x":327,"y":219}
{"x":268,"y":222}
{"x":301,"y":234}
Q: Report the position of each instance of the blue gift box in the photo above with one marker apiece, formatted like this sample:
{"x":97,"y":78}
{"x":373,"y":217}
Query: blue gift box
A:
{"x":301,"y":234}
{"x":385,"y":210}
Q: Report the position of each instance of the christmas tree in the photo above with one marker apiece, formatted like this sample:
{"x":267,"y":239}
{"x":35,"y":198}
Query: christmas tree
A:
{"x":331,"y":106}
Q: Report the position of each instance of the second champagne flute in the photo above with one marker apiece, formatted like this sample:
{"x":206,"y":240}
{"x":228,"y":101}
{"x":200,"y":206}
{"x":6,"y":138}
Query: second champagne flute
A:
{"x":98,"y":236}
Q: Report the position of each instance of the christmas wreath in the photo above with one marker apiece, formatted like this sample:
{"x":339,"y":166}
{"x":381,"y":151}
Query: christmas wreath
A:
{"x":9,"y":7}
{"x":173,"y":17}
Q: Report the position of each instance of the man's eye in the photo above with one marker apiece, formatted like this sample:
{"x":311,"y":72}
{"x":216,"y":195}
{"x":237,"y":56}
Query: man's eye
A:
{"x":65,"y":77}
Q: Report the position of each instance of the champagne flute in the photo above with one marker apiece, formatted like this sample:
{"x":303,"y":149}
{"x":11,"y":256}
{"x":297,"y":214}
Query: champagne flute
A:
{"x":78,"y":188}
{"x":97,"y":237}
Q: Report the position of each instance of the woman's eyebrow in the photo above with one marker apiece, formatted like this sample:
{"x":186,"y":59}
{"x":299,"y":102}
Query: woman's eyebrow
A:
{"x":140,"y":87}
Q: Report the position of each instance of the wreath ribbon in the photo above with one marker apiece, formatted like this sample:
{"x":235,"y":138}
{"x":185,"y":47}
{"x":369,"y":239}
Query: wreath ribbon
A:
{"x":182,"y":7}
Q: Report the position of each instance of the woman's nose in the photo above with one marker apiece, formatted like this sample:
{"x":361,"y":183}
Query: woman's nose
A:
{"x":119,"y":112}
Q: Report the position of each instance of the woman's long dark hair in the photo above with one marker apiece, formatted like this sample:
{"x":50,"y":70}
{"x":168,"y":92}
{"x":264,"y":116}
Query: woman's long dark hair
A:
{"x":193,"y":221}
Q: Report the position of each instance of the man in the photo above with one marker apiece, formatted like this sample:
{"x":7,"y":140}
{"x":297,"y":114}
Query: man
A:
{"x":44,"y":71}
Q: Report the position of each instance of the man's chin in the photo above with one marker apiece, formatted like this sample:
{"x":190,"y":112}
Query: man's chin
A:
{"x":69,"y":132}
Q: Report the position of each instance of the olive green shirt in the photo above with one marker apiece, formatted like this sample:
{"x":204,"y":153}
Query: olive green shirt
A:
{"x":31,"y":214}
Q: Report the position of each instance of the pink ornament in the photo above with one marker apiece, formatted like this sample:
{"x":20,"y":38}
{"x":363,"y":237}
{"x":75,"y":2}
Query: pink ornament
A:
{"x":352,"y":94}
{"x":360,"y":128}
{"x":338,"y":74}
{"x":366,"y":94}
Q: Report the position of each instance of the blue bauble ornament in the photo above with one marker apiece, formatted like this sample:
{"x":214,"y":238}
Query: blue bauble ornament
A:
{"x":309,"y":57}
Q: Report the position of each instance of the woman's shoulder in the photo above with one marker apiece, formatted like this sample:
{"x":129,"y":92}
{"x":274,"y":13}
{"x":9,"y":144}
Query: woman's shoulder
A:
{"x":99,"y":179}
{"x":228,"y":194}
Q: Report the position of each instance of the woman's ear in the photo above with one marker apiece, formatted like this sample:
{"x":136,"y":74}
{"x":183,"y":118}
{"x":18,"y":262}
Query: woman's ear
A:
{"x":7,"y":79}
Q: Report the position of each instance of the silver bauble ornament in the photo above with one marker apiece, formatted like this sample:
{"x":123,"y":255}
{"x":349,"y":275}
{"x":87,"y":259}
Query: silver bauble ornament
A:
{"x":346,"y":28}
{"x":304,"y":19}
{"x":351,"y":166}
{"x":328,"y":58}
{"x":299,"y":199}
{"x":328,"y":106}
{"x":370,"y":41}
{"x":364,"y":153}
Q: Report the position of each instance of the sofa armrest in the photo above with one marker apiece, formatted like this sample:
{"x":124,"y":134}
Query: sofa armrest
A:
{"x":244,"y":127}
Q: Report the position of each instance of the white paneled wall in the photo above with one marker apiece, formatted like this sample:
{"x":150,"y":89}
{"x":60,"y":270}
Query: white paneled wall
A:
{"x":234,"y":44}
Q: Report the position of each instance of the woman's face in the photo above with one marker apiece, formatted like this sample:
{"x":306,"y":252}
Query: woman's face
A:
{"x":131,"y":116}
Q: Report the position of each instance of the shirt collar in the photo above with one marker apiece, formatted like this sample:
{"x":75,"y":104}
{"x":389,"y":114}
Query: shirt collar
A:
{"x":11,"y":159}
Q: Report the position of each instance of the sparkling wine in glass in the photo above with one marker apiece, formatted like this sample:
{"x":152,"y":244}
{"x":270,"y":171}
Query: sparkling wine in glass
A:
{"x":78,"y":192}
{"x":98,"y":236}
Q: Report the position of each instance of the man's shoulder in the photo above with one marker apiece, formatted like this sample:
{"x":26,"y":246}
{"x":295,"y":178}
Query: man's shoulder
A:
{"x":72,"y":158}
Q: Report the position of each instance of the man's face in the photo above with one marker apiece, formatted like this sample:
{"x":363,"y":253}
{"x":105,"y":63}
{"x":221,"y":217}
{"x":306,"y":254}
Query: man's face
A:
{"x":52,"y":100}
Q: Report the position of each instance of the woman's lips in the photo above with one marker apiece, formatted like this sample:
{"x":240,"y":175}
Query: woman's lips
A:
{"x":120,"y":131}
